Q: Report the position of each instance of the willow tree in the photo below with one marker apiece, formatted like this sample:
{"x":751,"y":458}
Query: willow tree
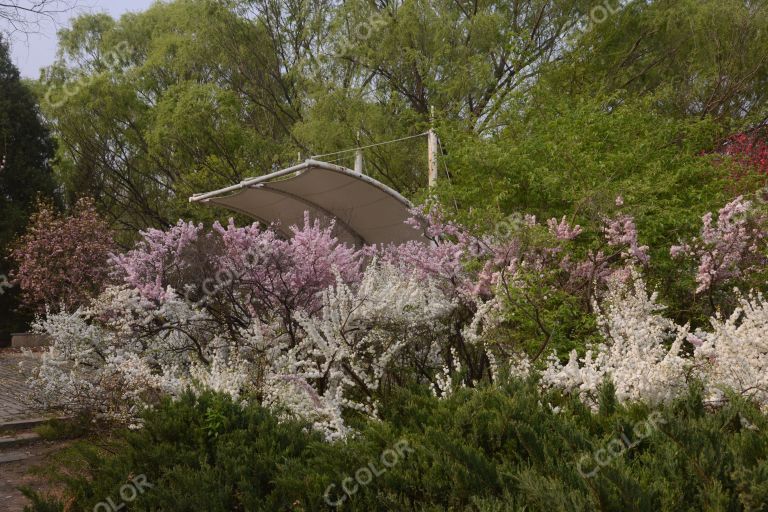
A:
{"x":209,"y":92}
{"x":388,"y":67}
{"x":701,"y":58}
{"x":161,"y":104}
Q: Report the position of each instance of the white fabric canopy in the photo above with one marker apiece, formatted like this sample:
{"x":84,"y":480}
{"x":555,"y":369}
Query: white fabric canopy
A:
{"x":366,"y":211}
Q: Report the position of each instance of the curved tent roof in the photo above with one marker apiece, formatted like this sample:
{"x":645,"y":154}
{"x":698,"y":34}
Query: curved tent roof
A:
{"x":366,"y":211}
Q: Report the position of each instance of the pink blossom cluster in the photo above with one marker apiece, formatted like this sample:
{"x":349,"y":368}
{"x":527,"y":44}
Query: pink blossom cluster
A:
{"x":318,"y":328}
{"x":613,"y":257}
{"x":262,"y":272}
{"x":563,"y":230}
{"x":149,"y":266}
{"x":288,"y":273}
{"x":728,"y":247}
{"x":520,"y":246}
{"x":442,"y":259}
{"x":621,"y":231}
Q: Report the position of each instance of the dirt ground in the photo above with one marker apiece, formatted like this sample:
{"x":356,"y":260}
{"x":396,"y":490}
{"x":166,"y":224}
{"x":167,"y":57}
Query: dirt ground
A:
{"x":15,"y":466}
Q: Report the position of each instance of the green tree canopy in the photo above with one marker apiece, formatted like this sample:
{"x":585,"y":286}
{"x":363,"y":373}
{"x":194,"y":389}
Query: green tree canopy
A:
{"x":26,"y":150}
{"x":197,"y":94}
{"x":701,"y":58}
{"x":541,"y":104}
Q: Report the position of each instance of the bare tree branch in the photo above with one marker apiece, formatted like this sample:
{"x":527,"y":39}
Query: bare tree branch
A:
{"x":27,"y":16}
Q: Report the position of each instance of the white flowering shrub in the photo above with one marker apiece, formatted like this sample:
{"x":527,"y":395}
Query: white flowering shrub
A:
{"x":119,"y":353}
{"x":321,"y":331}
{"x":361,"y":336}
{"x":734,"y":355}
{"x":641,"y":353}
{"x":124,"y":351}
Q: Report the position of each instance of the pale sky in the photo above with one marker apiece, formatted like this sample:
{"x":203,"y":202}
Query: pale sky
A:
{"x":34,"y":51}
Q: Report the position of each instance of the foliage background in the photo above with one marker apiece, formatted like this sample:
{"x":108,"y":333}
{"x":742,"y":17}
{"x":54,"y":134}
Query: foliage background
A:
{"x":542,"y":107}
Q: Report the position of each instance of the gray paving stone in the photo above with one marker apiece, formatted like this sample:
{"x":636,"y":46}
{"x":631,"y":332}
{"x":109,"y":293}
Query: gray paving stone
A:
{"x":19,"y":439}
{"x":15,"y":403}
{"x":15,"y":455}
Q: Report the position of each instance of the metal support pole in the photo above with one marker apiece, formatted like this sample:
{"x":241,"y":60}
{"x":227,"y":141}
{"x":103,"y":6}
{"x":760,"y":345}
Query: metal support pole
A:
{"x":359,"y":161}
{"x":432,"y":157}
{"x":359,"y":156}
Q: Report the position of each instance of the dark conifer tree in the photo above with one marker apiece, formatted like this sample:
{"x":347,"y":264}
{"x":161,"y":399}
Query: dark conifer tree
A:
{"x":26,"y":151}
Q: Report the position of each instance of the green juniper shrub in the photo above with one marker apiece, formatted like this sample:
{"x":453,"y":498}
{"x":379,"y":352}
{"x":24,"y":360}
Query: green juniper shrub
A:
{"x":497,"y":448}
{"x":60,"y":429}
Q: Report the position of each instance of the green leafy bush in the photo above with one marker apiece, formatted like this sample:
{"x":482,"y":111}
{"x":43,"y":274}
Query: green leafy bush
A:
{"x":498,"y":448}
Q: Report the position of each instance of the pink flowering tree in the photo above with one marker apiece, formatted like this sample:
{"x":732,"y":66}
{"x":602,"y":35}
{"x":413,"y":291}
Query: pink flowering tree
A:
{"x":293,"y":322}
{"x":239,"y":273}
{"x":540,"y":279}
{"x":322,"y":330}
{"x":62,"y":260}
{"x":729,"y":250}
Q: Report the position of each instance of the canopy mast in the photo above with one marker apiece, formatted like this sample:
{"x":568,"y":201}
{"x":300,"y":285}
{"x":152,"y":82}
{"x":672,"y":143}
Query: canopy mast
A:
{"x":432,"y":149}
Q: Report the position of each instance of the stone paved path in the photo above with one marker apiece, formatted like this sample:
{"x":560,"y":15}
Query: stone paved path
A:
{"x":14,"y":395}
{"x":16,"y":471}
{"x":16,"y":462}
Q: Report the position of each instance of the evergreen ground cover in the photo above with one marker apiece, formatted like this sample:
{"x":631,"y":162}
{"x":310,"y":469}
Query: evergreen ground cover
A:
{"x":496,"y":448}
